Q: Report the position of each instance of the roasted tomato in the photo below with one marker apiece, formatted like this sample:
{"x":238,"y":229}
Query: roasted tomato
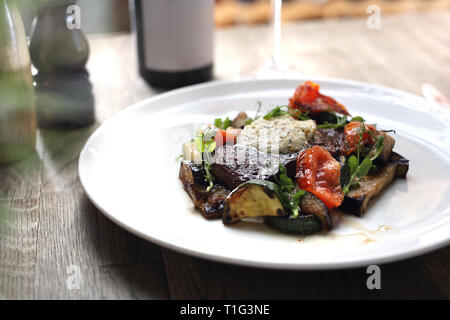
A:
{"x":228,"y":136}
{"x":320,"y":174}
{"x":307,"y":98}
{"x":352,"y":132}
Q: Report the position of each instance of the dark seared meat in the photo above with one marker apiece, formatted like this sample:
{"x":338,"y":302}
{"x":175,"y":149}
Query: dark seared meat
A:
{"x":332,"y":140}
{"x":210,"y":203}
{"x":236,"y":164}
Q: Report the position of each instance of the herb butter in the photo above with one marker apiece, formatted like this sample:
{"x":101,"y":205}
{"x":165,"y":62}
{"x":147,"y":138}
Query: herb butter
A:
{"x":282,"y":134}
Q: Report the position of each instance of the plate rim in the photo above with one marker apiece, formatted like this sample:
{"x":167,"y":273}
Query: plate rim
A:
{"x":238,"y":261}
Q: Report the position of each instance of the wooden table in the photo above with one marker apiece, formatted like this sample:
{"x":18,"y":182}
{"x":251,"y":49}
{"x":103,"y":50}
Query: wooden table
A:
{"x":48,"y":226}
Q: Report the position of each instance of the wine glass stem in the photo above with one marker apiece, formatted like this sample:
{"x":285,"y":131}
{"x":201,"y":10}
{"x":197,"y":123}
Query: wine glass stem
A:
{"x":276,"y":32}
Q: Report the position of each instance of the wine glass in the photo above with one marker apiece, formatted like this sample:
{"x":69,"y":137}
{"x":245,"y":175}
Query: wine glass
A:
{"x":274,"y":66}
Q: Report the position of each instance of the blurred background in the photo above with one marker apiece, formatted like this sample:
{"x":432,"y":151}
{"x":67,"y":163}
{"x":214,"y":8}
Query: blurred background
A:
{"x":103,"y":16}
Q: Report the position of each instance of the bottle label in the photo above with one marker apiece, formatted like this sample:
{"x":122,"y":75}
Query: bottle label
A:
{"x":177,"y":35}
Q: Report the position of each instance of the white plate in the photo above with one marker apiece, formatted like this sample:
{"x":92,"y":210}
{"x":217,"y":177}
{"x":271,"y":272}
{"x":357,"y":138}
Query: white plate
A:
{"x":129,"y":172}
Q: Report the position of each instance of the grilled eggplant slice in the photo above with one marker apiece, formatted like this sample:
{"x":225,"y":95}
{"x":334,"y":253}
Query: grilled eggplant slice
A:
{"x":388,"y":145}
{"x":402,"y":165}
{"x":252,"y":199}
{"x":210,"y":203}
{"x":191,"y":173}
{"x":304,"y":224}
{"x":357,"y":200}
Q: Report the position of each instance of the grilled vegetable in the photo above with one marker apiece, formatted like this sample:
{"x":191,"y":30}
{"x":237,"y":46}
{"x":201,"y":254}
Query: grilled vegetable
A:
{"x":191,"y":173}
{"x":310,"y":204}
{"x":314,"y":217}
{"x":388,"y":145}
{"x":308,"y":99}
{"x":240,"y":121}
{"x":402,"y":165}
{"x":357,"y":200}
{"x":210,"y":203}
{"x":302,"y":225}
{"x":252,"y":199}
{"x":319,"y":173}
{"x":190,"y":153}
{"x":358,"y":134}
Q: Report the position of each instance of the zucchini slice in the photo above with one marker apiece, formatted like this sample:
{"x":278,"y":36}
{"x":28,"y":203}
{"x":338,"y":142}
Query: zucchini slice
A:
{"x":304,"y":224}
{"x":254,"y":198}
{"x":310,"y":204}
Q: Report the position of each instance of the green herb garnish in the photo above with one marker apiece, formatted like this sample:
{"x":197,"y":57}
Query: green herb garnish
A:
{"x":354,"y":168}
{"x":340,"y":122}
{"x":222,"y":124}
{"x":205,"y":143}
{"x":257,"y":116}
{"x":289,"y":197}
{"x":275,"y":112}
{"x":282,"y":110}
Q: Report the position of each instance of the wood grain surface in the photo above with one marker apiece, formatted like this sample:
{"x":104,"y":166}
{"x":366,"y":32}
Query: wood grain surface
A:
{"x":48,"y":226}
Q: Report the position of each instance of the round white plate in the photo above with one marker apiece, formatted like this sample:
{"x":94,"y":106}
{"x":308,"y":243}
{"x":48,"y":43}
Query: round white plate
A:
{"x":129,"y":172}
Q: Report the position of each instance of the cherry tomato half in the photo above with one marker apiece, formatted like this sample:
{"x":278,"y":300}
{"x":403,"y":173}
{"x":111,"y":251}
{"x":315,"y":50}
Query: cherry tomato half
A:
{"x":319,"y":173}
{"x":352,"y":132}
{"x":228,"y":136}
{"x":307,"y":98}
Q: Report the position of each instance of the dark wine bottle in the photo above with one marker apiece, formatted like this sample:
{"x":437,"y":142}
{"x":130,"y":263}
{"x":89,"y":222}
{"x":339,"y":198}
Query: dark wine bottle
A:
{"x":175,"y":41}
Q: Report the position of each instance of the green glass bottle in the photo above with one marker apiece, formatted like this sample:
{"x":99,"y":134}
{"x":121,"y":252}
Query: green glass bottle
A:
{"x":17,"y":103}
{"x":64,"y":98}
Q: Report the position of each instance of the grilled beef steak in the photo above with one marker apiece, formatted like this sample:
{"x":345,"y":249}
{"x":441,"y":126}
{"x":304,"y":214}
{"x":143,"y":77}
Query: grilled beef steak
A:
{"x":332,"y":140}
{"x":236,"y":164}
